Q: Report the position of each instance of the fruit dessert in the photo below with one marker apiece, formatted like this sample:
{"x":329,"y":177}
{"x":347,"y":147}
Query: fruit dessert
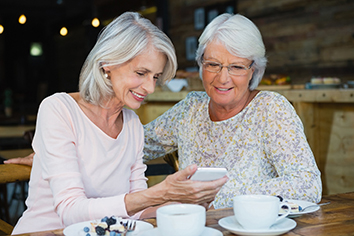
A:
{"x":112,"y":226}
{"x":295,"y":208}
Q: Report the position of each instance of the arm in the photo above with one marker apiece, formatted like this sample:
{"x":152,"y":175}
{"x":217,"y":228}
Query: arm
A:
{"x":74,"y":164}
{"x":175,"y":188}
{"x":161,"y":133}
{"x":286,"y":147}
{"x":27,"y":160}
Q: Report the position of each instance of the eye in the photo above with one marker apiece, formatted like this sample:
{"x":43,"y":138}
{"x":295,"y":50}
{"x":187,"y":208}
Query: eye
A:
{"x":236,"y":67}
{"x":212,"y":64}
{"x":140,"y":73}
{"x":156,"y":77}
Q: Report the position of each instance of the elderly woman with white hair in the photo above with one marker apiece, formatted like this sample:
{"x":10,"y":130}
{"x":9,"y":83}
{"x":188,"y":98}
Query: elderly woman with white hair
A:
{"x":89,"y":148}
{"x":256,"y":135}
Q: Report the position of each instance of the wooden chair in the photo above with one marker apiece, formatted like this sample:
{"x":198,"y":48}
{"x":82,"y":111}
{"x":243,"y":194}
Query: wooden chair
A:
{"x":5,"y":228}
{"x":172,"y":160}
{"x":11,"y":173}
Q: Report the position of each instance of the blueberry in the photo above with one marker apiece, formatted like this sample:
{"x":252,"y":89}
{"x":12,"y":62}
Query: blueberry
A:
{"x":104,"y":219}
{"x":86,"y":229}
{"x":111,"y":221}
{"x":88,"y":234}
{"x":112,"y":233}
{"x":280,"y":198}
{"x":100,"y":230}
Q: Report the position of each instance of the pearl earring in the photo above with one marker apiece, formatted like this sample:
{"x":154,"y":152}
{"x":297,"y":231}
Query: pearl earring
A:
{"x":106,"y":75}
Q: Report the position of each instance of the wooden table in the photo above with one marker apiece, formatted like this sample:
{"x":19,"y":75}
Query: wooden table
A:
{"x":337,"y":218}
{"x":11,"y":173}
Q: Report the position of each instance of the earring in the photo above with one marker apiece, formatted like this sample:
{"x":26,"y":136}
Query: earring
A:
{"x":106,"y":75}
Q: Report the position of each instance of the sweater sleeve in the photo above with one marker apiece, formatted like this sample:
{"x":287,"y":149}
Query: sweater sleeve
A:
{"x":56,"y":145}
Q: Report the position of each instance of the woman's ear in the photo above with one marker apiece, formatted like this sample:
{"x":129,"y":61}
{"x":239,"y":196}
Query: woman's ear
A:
{"x":106,"y":71}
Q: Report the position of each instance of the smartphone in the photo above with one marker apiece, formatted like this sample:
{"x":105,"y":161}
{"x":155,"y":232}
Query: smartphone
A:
{"x":208,"y":173}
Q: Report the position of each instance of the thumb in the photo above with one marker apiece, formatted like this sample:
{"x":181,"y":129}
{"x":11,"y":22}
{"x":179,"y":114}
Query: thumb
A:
{"x":187,"y":172}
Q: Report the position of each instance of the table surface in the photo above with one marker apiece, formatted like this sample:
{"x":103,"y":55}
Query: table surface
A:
{"x":336,"y":218}
{"x":10,"y":173}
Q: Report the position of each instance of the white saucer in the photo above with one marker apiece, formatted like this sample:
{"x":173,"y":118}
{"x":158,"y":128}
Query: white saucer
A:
{"x":78,"y":228}
{"x":303,"y":204}
{"x":207,"y":232}
{"x":281,"y":227}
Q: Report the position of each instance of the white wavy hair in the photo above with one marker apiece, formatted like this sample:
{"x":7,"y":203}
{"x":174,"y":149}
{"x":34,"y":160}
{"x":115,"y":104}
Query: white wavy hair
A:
{"x":241,"y":38}
{"x":124,"y":38}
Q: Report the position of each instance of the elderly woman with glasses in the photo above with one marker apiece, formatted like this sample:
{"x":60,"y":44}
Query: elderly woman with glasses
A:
{"x":256,"y":135}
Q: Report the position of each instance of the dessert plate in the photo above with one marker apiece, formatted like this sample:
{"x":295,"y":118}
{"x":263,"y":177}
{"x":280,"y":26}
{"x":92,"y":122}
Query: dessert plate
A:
{"x":207,"y":232}
{"x":303,"y":204}
{"x":279,"y":228}
{"x":78,"y":228}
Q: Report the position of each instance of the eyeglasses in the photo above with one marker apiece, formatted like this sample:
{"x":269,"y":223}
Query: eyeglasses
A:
{"x":233,"y":69}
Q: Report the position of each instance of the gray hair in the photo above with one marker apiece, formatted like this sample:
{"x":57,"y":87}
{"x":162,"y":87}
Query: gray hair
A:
{"x":241,"y":37}
{"x":124,"y":38}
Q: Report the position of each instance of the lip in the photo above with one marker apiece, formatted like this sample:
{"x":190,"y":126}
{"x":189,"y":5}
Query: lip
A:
{"x":137,"y":96}
{"x":226,"y":90}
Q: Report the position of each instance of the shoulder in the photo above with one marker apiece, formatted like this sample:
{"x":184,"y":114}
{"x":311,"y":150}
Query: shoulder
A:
{"x":130,"y":114}
{"x":57,"y":100}
{"x":267,"y":98}
{"x":273,"y":103}
{"x":195,"y":97}
{"x":130,"y":117}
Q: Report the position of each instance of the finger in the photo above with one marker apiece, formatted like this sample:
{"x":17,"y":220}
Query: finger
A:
{"x":186,"y":173}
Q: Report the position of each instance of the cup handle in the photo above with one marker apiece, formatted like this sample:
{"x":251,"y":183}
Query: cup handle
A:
{"x":284,"y":214}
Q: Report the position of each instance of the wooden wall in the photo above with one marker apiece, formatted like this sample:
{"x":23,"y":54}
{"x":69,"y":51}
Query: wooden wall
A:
{"x":302,"y":38}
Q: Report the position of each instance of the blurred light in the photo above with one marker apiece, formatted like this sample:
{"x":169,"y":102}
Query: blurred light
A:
{"x":36,"y":49}
{"x":63,"y":31}
{"x":147,"y":11}
{"x":1,"y":29}
{"x":22,"y":19}
{"x":95,"y":22}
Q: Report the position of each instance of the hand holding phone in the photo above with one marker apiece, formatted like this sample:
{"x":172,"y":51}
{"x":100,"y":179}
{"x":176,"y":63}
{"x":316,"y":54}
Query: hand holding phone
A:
{"x":208,"y":173}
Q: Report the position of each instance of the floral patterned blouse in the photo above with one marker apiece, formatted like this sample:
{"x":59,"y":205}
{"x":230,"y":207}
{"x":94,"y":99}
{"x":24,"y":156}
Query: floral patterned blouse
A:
{"x":263,"y":147}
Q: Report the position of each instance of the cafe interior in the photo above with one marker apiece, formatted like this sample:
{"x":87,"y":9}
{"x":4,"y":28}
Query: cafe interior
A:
{"x":309,"y":47}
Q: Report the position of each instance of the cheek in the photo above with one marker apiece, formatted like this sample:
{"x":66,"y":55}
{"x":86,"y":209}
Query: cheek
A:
{"x":207,"y":79}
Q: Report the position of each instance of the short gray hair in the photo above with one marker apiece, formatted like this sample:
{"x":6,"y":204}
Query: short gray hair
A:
{"x":241,"y":37}
{"x":123,"y":39}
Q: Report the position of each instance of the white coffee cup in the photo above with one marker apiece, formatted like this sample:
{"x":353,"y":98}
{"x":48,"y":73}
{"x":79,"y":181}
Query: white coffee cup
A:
{"x":258,"y":212}
{"x":181,"y":219}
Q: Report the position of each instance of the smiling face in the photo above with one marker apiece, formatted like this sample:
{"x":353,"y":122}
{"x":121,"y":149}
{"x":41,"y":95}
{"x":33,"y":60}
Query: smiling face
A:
{"x":135,"y":79}
{"x":226,"y":92}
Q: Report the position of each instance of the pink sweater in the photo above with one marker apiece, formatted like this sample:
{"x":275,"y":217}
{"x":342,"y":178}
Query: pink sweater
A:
{"x":79,"y":173}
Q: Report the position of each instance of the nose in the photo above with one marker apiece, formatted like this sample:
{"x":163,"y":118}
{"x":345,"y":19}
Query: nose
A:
{"x":223,"y":75}
{"x":149,"y":85}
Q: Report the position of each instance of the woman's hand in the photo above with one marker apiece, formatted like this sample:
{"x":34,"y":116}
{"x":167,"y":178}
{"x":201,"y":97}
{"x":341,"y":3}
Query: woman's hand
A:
{"x":181,"y":189}
{"x":175,"y":188}
{"x":27,"y":160}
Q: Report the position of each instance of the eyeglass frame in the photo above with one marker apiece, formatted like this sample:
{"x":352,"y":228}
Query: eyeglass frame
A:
{"x":228,"y":66}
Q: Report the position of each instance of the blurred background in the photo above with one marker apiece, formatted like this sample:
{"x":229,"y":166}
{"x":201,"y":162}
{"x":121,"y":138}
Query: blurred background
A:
{"x":303,"y":39}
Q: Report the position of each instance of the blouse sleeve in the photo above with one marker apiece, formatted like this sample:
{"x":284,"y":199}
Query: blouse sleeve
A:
{"x":55,"y":146}
{"x":161,"y":134}
{"x":286,"y":147}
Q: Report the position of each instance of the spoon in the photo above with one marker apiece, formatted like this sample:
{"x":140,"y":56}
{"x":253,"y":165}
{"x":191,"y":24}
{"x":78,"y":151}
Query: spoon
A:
{"x":321,"y":204}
